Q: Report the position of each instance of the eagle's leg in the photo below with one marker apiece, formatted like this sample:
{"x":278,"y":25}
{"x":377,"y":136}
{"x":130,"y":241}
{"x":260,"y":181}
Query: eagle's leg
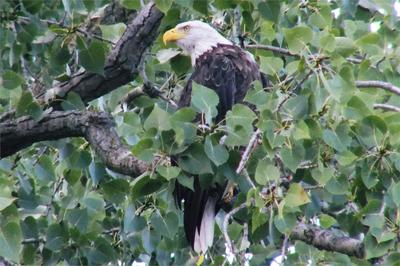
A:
{"x":229,"y":192}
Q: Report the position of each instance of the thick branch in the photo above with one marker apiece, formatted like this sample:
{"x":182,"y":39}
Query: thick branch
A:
{"x":327,"y":240}
{"x":122,"y":63}
{"x":96,"y":127}
{"x":378,"y":84}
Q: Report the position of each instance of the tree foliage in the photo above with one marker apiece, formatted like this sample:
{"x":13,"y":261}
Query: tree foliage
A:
{"x":316,"y":150}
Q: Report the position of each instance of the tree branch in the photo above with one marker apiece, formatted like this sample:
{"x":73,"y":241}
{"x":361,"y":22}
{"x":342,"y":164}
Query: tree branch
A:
{"x":231,"y":248}
{"x":96,"y":127}
{"x":386,"y":107}
{"x":247,"y":151}
{"x":378,"y":84}
{"x":327,"y":240}
{"x":121,"y":65}
{"x":285,"y":51}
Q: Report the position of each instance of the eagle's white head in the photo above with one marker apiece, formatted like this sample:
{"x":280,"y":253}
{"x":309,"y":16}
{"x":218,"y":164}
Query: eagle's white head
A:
{"x":195,"y":38}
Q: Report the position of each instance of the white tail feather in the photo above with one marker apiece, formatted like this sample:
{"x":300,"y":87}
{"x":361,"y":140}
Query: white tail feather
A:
{"x":204,"y":235}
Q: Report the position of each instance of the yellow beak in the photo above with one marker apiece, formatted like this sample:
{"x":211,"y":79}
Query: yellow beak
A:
{"x":172,"y":35}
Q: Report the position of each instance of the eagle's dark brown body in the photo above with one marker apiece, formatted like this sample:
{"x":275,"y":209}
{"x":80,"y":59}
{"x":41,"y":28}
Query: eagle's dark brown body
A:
{"x":228,"y":70}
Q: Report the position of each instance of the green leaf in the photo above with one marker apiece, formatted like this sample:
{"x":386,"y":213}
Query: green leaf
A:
{"x":327,"y":221}
{"x":322,"y":174}
{"x":73,"y":102}
{"x":266,"y":172}
{"x":185,"y":130}
{"x":267,"y":31}
{"x":131,"y":4}
{"x":271,"y":65}
{"x":374,"y":220}
{"x":32,"y":7}
{"x":44,"y":170}
{"x":144,"y":149}
{"x":116,"y":190}
{"x":301,"y":131}
{"x":27,"y":106}
{"x":285,"y":223}
{"x":223,"y":4}
{"x":346,"y":158}
{"x":395,"y":193}
{"x":5,"y":197}
{"x":164,"y":5}
{"x":95,"y":204}
{"x":93,"y":58}
{"x":204,"y":100}
{"x":195,"y":161}
{"x":216,"y":153}
{"x":344,"y":46}
{"x":166,"y":226}
{"x":257,"y":95}
{"x":102,"y":253}
{"x":113,"y":32}
{"x":10,"y":241}
{"x":333,"y":140}
{"x":270,"y":10}
{"x":11,"y":80}
{"x":292,"y":157}
{"x":296,"y":196}
{"x":144,"y":185}
{"x":158,"y":119}
{"x":258,"y":218}
{"x":78,"y":218}
{"x":297,"y":106}
{"x":373,"y":249}
{"x":169,"y":172}
{"x":298,"y":37}
{"x":165,"y":55}
{"x":338,"y":185}
{"x":239,"y":125}
{"x":186,"y":181}
{"x":201,"y":6}
{"x":56,"y":237}
{"x":180,"y":64}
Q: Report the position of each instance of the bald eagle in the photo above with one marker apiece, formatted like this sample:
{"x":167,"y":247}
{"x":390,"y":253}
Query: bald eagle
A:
{"x":228,"y":70}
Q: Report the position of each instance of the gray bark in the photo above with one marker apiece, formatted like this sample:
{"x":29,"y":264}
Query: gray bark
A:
{"x":327,"y":240}
{"x":122,"y":63}
{"x":96,"y":127}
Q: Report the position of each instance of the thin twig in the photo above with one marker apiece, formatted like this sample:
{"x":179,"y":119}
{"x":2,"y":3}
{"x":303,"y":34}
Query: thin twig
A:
{"x":91,"y":35}
{"x":386,"y":107}
{"x":284,"y":248}
{"x":32,"y":241}
{"x":245,"y":243}
{"x":228,"y":216}
{"x":280,"y":50}
{"x":237,"y":31}
{"x":61,"y":24}
{"x":378,"y":84}
{"x":285,"y":51}
{"x":307,"y":165}
{"x":57,"y":187}
{"x":247,"y":151}
{"x":111,"y":231}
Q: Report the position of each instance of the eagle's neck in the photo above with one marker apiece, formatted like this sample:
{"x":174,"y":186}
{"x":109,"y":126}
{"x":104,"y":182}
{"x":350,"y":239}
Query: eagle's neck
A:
{"x":196,"y":49}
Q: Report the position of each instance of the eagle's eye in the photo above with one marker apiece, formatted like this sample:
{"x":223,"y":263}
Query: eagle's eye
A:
{"x":186,"y":28}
